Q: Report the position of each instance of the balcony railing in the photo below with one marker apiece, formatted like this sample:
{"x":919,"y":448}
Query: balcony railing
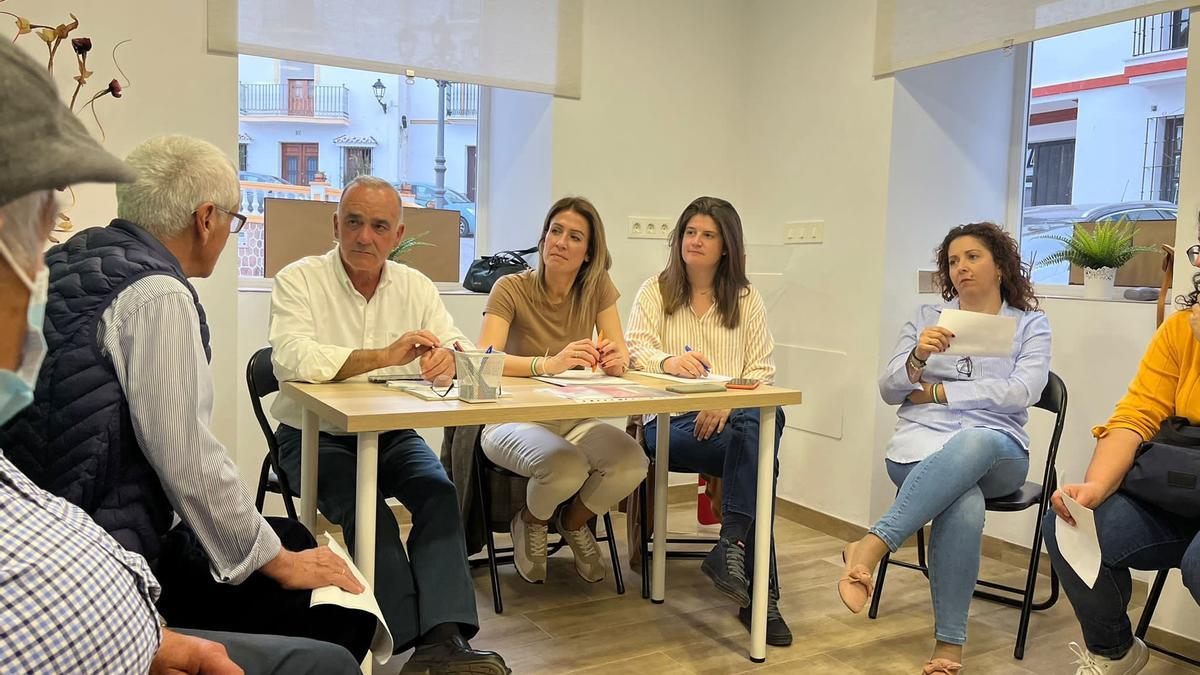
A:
{"x":1161,"y":32}
{"x":462,"y":100}
{"x":274,"y":100}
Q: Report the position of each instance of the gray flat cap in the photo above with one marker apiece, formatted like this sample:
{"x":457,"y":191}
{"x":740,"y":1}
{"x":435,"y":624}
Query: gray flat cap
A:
{"x":42,"y":144}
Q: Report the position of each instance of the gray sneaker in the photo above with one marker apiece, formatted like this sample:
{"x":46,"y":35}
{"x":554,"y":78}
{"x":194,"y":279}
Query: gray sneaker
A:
{"x":1091,"y":664}
{"x":529,"y":549}
{"x":587,"y":553}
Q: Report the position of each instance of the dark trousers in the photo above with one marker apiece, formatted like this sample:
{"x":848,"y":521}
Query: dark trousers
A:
{"x":429,"y":585}
{"x":271,"y":654}
{"x":192,"y":599}
{"x":731,"y":454}
{"x":1133,"y":535}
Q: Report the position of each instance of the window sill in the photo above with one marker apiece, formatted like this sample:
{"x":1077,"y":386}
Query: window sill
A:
{"x":1049,"y":292}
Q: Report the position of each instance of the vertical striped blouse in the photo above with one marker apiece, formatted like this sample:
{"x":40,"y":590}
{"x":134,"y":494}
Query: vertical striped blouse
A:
{"x":744,"y":351}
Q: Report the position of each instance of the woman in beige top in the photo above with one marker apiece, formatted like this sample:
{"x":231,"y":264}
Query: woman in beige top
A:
{"x":543,"y":319}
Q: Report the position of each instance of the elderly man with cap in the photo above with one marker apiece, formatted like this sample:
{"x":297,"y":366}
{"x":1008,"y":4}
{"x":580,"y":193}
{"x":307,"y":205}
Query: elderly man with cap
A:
{"x":74,"y":599}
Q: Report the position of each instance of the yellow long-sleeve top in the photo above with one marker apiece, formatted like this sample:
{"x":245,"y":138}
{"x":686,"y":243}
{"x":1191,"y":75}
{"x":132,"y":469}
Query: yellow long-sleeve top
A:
{"x":1167,"y":382}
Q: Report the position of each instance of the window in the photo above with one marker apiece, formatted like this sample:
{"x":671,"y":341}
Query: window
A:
{"x":1164,"y":151}
{"x":1051,"y":168}
{"x":242,"y":156}
{"x":1092,"y":152}
{"x":355,"y":162}
{"x":337,"y":126}
{"x":1161,"y":32}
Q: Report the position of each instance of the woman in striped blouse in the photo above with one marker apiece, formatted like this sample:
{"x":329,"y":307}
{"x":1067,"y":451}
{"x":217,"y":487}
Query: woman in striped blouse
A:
{"x":701,"y":315}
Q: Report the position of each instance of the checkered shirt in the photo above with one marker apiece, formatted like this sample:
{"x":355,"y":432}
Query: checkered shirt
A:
{"x":71,"y":599}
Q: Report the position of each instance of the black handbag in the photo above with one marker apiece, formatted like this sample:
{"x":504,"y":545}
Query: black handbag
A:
{"x":1166,"y":470}
{"x":483,"y":273}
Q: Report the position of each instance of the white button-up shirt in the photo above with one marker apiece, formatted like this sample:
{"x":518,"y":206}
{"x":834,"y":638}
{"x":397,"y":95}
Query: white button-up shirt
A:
{"x":318,"y":319}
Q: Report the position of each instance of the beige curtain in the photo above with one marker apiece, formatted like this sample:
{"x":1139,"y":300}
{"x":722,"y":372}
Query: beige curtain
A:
{"x":530,"y":45}
{"x":911,"y":33}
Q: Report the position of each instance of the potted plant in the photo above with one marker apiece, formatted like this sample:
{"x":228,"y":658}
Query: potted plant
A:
{"x":1100,"y":252}
{"x":406,"y":245}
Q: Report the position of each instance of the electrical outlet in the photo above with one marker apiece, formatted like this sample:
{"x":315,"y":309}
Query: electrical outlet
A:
{"x":645,"y":227}
{"x":804,"y":232}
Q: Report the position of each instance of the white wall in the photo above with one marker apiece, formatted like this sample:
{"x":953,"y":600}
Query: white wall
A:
{"x":823,"y":125}
{"x":156,"y":103}
{"x":515,"y":170}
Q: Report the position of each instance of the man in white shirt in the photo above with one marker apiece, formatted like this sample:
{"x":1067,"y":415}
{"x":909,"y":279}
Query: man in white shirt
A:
{"x":340,"y":316}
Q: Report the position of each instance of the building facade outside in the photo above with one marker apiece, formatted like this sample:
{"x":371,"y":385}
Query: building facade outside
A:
{"x":306,"y":130}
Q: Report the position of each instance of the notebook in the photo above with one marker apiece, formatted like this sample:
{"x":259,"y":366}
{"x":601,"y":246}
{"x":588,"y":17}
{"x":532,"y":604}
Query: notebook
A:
{"x":593,"y":394}
{"x":711,"y":377}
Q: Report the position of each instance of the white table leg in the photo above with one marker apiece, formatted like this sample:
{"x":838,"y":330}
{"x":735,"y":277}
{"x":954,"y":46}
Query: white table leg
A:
{"x":763,"y":524}
{"x":364,"y":503}
{"x":658,"y":579}
{"x":310,"y":429}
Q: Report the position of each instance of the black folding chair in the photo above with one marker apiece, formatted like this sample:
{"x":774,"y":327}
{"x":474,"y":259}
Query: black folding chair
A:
{"x":486,"y":470}
{"x":260,"y":380}
{"x":1148,"y":613}
{"x":1054,"y":400}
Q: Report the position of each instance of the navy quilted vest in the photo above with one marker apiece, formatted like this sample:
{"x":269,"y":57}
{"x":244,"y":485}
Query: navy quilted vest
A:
{"x":76,"y":440}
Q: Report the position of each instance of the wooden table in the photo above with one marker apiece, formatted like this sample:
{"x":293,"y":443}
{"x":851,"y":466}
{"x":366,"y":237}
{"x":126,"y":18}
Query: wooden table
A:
{"x":370,"y":409}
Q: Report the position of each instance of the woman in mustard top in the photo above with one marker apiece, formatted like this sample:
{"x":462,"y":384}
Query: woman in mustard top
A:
{"x":1133,"y":534}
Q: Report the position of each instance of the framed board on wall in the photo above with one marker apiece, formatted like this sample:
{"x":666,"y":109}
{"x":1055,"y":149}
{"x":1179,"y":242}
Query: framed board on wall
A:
{"x":295,"y":228}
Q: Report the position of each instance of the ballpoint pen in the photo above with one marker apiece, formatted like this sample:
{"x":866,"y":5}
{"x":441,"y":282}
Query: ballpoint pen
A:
{"x":688,"y":348}
{"x":599,"y":338}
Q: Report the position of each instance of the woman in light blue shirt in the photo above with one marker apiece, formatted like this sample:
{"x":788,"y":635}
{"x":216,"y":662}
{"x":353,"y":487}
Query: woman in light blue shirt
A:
{"x":960,"y":437}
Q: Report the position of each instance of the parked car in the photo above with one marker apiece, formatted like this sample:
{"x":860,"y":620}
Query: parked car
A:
{"x":1060,"y":219}
{"x":424,"y":195}
{"x":252,"y":177}
{"x":1038,"y":219}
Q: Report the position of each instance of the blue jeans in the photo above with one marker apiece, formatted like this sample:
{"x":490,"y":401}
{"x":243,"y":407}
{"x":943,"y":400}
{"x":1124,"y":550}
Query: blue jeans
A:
{"x":428,"y":585}
{"x":731,"y":454}
{"x":1133,"y":535}
{"x":949,"y":488}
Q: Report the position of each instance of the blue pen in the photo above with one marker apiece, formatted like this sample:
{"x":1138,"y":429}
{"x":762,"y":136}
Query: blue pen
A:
{"x":489,"y":350}
{"x":688,"y":348}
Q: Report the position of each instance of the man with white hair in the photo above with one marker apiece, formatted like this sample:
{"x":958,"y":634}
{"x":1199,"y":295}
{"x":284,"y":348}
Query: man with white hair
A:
{"x":119,"y":422}
{"x":74,"y":600}
{"x":340,"y":316}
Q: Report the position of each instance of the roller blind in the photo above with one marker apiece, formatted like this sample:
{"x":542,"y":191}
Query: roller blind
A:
{"x":531,"y":45}
{"x":910,"y":33}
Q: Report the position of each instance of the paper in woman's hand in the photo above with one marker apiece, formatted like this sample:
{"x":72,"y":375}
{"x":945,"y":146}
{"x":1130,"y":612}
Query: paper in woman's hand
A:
{"x":978,"y":334}
{"x":1078,"y":543}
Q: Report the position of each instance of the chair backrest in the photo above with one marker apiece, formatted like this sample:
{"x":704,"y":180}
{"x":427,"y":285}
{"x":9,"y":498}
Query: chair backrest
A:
{"x":260,"y":381}
{"x":1054,"y":400}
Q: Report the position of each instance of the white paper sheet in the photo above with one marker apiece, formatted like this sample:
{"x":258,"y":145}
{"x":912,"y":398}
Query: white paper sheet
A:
{"x":978,"y":334}
{"x":711,"y":377}
{"x":568,"y":378}
{"x":1078,"y":544}
{"x":381,"y":643}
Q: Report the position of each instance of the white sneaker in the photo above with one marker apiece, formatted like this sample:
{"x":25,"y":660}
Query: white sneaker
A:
{"x":587,"y":554}
{"x":1091,"y":664}
{"x":529,"y":549}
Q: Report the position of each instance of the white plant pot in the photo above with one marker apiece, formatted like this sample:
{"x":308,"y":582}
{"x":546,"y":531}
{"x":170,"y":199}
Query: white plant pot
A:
{"x":1098,"y":284}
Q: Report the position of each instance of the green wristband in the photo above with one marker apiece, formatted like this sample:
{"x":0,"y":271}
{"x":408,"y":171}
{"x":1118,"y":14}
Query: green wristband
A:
{"x":933,"y":393}
{"x":533,"y":367}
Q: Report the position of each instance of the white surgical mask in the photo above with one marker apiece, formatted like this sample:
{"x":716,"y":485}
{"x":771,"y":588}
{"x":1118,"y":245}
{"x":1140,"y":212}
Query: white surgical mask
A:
{"x":16,"y":386}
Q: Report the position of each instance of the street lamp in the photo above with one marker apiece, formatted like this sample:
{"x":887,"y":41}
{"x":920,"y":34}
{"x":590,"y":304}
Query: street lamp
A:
{"x":380,"y":90}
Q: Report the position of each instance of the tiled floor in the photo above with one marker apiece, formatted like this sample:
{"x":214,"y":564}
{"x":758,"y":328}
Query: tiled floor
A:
{"x":567,"y":625}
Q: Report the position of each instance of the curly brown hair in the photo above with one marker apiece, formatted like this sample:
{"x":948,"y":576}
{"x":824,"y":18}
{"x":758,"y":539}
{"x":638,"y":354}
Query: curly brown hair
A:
{"x":1186,"y":301}
{"x":1015,"y":287}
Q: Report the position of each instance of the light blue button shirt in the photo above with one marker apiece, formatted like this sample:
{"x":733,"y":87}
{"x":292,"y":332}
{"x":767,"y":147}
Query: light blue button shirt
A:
{"x":989,"y":392}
